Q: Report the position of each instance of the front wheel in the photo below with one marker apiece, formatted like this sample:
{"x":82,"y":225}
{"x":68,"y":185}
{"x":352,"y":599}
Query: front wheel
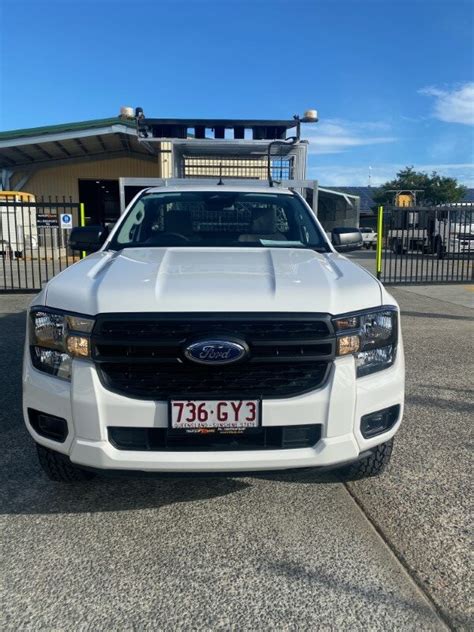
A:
{"x":59,"y":468}
{"x":372,"y":465}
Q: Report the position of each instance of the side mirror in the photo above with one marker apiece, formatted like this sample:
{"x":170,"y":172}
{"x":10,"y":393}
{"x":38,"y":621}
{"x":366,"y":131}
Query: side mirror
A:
{"x":346,"y":239}
{"x":88,"y":238}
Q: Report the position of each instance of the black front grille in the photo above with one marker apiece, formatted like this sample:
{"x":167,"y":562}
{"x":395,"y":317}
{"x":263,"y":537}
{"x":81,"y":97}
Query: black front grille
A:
{"x":160,"y":327}
{"x":163,"y":439}
{"x":142,"y":355}
{"x":179,"y":381}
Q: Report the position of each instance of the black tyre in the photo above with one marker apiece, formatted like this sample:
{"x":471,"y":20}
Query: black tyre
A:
{"x":59,"y":468}
{"x":372,"y":465}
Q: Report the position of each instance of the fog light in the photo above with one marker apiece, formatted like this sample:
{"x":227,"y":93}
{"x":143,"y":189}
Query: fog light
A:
{"x":380,"y":421}
{"x":78,"y":346}
{"x":348,"y":344}
{"x":48,"y":426}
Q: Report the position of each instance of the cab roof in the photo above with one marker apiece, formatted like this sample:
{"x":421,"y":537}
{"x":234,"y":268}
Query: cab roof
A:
{"x":219,"y":189}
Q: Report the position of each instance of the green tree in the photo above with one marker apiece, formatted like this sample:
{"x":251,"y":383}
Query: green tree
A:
{"x":435,"y":189}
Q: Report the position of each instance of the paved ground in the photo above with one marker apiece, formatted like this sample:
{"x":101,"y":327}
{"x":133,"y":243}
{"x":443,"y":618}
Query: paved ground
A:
{"x":457,"y":294}
{"x":280,"y":551}
{"x":423,"y":504}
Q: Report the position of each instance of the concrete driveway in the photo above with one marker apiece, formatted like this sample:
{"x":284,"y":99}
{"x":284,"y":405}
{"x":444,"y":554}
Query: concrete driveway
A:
{"x":291,"y":551}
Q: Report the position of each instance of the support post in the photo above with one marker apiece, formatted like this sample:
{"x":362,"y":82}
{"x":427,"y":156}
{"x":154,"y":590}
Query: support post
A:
{"x":122,"y":195}
{"x":82,"y":222}
{"x":379,"y":242}
{"x":6,"y":174}
{"x":23,"y":180}
{"x":315,"y":197}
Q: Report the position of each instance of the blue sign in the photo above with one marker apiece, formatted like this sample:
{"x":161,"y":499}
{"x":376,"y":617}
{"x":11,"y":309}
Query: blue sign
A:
{"x":65,"y":220}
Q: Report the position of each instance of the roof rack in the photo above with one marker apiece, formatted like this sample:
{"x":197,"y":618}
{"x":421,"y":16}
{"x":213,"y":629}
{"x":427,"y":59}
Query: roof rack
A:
{"x":240,"y":129}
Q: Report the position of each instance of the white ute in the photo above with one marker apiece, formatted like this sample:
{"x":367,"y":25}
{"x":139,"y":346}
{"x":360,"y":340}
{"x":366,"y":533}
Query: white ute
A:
{"x":215,"y":329}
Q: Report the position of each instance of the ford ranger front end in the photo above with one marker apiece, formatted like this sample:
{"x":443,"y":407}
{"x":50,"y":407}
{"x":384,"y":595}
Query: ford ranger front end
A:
{"x":216,"y":329}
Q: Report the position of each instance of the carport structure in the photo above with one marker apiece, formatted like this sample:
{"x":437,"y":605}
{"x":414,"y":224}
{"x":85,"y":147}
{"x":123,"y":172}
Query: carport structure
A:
{"x":24,"y":152}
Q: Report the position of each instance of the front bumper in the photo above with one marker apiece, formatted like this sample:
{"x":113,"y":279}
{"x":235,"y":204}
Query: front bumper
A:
{"x":90,"y":409}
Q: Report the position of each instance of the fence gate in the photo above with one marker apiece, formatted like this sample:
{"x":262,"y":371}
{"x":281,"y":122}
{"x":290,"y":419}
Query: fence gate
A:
{"x":426,"y":244}
{"x":33,"y":242}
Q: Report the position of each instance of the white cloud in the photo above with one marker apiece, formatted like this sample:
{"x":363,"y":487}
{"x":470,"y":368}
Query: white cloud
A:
{"x":453,"y":106}
{"x":334,"y":136}
{"x":345,"y":175}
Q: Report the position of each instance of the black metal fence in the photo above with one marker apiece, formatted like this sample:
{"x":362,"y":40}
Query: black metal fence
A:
{"x":418,"y":244}
{"x":33,"y":241}
{"x":428,"y":244}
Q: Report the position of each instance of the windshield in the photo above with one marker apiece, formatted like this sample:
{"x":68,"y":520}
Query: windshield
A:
{"x":222,"y":219}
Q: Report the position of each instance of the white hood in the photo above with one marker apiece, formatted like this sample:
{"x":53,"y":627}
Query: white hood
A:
{"x":213,"y":280}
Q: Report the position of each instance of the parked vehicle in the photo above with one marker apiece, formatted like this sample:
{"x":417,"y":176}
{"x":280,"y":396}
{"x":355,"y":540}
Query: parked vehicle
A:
{"x":440,"y":231}
{"x":18,"y":230}
{"x":216,"y":328}
{"x":369,"y":238}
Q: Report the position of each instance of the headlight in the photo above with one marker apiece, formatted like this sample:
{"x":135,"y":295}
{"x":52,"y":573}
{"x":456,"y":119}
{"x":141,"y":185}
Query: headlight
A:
{"x":55,"y":338}
{"x":371,"y":337}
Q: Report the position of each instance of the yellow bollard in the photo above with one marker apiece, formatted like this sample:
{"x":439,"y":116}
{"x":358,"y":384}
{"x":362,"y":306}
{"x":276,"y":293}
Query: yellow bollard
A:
{"x":82,"y":222}
{"x":379,"y":242}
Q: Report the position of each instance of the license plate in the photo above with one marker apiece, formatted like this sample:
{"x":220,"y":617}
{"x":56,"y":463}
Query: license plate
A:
{"x":220,"y":414}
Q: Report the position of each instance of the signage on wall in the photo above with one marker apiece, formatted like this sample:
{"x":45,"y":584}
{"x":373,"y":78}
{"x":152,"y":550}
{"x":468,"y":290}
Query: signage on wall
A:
{"x":46,"y":220}
{"x":65,"y":221}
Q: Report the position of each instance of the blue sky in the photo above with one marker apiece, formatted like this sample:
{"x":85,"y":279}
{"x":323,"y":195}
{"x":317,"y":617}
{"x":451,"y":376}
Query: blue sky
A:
{"x":393,"y":81}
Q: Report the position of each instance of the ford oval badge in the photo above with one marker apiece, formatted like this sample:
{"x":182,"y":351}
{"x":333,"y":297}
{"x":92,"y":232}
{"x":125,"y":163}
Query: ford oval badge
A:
{"x":215,"y":351}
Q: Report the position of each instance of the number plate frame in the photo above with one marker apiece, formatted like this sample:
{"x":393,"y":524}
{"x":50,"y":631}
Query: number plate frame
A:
{"x":216,"y":427}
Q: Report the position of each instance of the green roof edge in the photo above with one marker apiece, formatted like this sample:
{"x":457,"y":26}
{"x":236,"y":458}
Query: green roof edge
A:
{"x":65,"y":127}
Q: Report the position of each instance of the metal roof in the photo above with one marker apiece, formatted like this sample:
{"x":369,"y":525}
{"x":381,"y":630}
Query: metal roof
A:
{"x":65,"y":127}
{"x":30,"y":149}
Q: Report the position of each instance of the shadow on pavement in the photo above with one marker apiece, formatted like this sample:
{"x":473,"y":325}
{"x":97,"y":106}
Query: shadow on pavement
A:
{"x":439,"y":403}
{"x":297,"y":572}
